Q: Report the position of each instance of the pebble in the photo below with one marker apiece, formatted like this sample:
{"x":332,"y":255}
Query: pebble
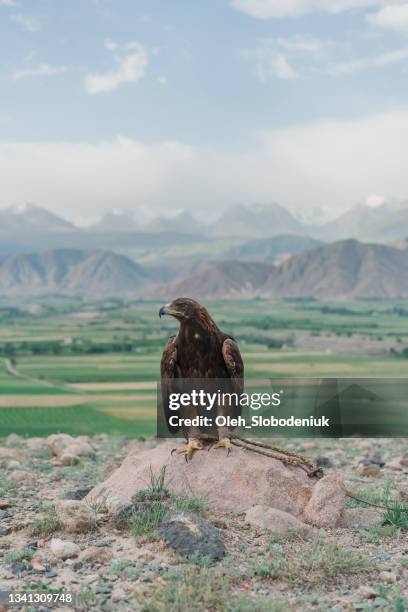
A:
{"x":63,"y":549}
{"x":18,"y":476}
{"x":75,"y":516}
{"x":388,"y":577}
{"x":13,"y":439}
{"x":368,"y":469}
{"x":118,"y":594}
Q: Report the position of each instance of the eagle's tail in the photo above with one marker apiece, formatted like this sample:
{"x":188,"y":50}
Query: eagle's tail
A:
{"x":288,"y":457}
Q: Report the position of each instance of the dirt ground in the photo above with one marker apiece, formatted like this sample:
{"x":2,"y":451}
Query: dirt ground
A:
{"x":362,"y":565}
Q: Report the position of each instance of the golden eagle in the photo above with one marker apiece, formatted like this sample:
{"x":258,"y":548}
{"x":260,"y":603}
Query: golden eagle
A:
{"x":200,"y":350}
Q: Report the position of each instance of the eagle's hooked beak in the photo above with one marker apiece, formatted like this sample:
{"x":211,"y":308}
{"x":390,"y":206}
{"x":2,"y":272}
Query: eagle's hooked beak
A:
{"x":162,"y":311}
{"x":168,"y":310}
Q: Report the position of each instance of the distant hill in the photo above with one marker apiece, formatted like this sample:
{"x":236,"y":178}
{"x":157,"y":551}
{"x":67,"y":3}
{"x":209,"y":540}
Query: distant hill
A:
{"x":258,"y":220}
{"x":268,"y":249}
{"x":71,"y":272}
{"x":115,"y":221}
{"x":29,"y":218}
{"x":394,"y":226}
{"x":345,"y":269}
{"x":380,"y":223}
{"x":232,"y":279}
{"x":182,"y":223}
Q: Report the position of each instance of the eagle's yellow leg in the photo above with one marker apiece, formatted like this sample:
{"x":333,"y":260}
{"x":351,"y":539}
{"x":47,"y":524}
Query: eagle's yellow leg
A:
{"x":224,"y":443}
{"x":188,"y":449}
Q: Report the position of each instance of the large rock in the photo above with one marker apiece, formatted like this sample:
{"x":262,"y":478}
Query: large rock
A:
{"x":229,"y":484}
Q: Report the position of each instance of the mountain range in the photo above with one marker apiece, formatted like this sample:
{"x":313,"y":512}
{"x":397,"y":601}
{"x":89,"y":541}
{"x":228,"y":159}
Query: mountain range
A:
{"x":383,"y":223}
{"x":344,"y":269}
{"x":71,"y":272}
{"x":28,"y":218}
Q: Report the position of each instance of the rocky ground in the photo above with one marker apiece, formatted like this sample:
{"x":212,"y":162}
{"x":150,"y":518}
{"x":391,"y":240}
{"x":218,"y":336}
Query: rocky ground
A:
{"x":52,"y":541}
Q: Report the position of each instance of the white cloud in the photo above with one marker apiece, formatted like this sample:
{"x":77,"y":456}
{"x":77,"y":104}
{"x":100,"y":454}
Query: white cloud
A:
{"x":331,"y":163}
{"x":29,"y":23}
{"x":281,"y":68}
{"x":8,"y":3}
{"x":110,"y":45}
{"x":394,"y":17}
{"x":273,"y":58}
{"x":300,"y":44}
{"x":131,"y":67}
{"x":39,"y":71}
{"x":366,"y":63}
{"x":162,"y":80}
{"x":269,"y":9}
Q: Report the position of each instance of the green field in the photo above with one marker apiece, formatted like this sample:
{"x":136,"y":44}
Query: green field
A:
{"x":90,"y":367}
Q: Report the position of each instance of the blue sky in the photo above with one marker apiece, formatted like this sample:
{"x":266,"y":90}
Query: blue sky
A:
{"x":172,"y":104}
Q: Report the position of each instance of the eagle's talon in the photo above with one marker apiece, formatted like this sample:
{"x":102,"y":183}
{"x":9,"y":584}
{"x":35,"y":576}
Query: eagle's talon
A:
{"x":224,"y":443}
{"x":188,"y":449}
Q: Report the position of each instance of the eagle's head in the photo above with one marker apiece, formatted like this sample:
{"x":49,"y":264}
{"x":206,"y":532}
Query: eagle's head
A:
{"x":187,"y":310}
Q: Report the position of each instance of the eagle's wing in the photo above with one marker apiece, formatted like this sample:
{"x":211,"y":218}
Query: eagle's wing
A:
{"x":168,"y":373}
{"x":235,"y":367}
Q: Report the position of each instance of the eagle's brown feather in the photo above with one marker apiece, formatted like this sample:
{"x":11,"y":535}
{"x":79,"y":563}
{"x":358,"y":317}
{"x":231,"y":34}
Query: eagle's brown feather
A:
{"x":198,"y":351}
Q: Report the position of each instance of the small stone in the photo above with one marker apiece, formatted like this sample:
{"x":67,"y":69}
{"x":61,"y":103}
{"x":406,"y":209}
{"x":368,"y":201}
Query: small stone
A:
{"x":368,"y":469}
{"x":18,"y":476}
{"x":96,"y":555}
{"x":309,"y":445}
{"x":118,"y":594}
{"x":63,"y":549}
{"x":121,"y":518}
{"x":67,"y":458}
{"x":104,"y":589}
{"x":276,"y":521}
{"x":115,"y":503}
{"x":367,"y":592}
{"x":11,"y":453}
{"x":388,"y":577}
{"x":327,"y":502}
{"x":75,"y":516}
{"x":61,"y":444}
{"x":13,"y":439}
{"x":37,"y":565}
{"x":360,"y":518}
{"x":323,"y":461}
{"x":37,"y":444}
{"x":380,"y":602}
{"x":4,"y":530}
{"x":191,"y":535}
{"x":404,"y":460}
{"x":376,"y":459}
{"x":19,"y":567}
{"x":78,"y":494}
{"x":395,"y":464}
{"x":12,"y":464}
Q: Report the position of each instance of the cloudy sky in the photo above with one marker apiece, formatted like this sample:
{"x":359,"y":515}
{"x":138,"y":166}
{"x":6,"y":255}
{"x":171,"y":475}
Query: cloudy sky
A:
{"x":180,"y":104}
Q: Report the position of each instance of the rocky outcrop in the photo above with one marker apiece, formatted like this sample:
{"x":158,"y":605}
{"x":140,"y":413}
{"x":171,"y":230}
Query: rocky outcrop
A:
{"x":229,"y":484}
